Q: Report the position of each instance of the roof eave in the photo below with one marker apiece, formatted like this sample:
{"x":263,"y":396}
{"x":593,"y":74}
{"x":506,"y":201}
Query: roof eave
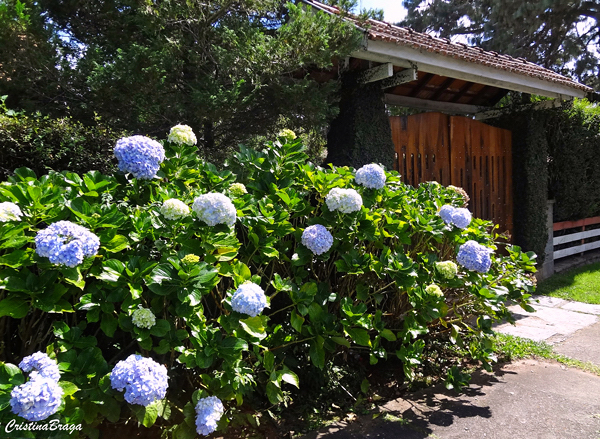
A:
{"x":430,"y":62}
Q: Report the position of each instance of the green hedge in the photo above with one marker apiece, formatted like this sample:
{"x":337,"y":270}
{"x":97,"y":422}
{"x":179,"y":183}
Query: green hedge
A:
{"x":530,"y":177}
{"x":42,"y":143}
{"x":573,"y":138}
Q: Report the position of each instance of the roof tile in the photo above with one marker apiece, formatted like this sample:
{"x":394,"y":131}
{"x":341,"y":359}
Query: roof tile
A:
{"x":382,"y":31}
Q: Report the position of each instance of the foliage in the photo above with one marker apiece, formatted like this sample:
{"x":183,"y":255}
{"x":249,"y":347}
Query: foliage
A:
{"x":43,"y":143}
{"x":367,"y":294}
{"x":562,"y":35}
{"x":574,"y":166}
{"x":581,"y":284}
{"x":230,"y":69}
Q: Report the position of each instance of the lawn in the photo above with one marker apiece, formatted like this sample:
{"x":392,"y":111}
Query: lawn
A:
{"x":581,"y":284}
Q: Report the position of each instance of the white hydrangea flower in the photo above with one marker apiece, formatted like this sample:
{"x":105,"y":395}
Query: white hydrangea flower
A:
{"x":215,"y":209}
{"x":434,"y":290}
{"x":9,"y":212}
{"x":174,"y":209}
{"x":371,"y":176}
{"x":344,"y":200}
{"x":182,"y":135}
{"x":237,"y":189}
{"x":287,"y":133}
{"x":448,"y":269}
{"x":143,"y":318}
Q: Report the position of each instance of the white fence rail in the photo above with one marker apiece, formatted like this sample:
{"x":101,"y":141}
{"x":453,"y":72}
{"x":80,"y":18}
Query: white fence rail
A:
{"x":577,"y":237}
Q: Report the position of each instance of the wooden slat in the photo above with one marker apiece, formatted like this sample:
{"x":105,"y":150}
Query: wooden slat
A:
{"x":574,"y":250}
{"x":578,"y":223}
{"x":575,"y":236}
{"x":459,"y":151}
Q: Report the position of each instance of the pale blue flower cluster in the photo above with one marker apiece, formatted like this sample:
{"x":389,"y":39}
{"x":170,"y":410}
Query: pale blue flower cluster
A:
{"x":41,"y":396}
{"x":474,"y":256}
{"x":40,"y":364}
{"x":36,"y":399}
{"x":317,"y":239}
{"x":66,"y":243}
{"x":143,"y":379}
{"x":371,"y":176}
{"x":139,"y":155}
{"x":459,"y":216}
{"x":344,"y":200}
{"x":9,"y":212}
{"x":182,"y":135}
{"x":174,"y":209}
{"x":208,"y":412}
{"x":249,"y":299}
{"x":215,"y":208}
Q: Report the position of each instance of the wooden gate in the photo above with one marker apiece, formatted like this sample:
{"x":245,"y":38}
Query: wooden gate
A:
{"x":455,"y":150}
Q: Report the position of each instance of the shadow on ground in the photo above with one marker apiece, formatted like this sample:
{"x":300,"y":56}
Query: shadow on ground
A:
{"x":522,"y":400}
{"x":416,"y":415}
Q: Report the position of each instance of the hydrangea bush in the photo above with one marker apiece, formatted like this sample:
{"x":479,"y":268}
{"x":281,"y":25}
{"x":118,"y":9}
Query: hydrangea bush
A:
{"x":177,"y":320}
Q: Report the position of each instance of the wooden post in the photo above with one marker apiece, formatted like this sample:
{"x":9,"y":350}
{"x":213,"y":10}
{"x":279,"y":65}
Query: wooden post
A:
{"x":547,"y":268}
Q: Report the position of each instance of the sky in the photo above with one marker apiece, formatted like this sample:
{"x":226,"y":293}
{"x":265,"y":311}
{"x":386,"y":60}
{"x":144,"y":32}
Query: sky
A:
{"x":393,"y":11}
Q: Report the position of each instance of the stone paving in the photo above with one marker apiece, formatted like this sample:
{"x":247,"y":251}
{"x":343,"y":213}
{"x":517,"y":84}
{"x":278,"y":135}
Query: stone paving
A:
{"x":554,"y":320}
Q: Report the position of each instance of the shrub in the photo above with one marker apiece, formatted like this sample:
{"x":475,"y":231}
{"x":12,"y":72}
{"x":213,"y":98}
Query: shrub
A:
{"x":42,"y":143}
{"x":234,"y":311}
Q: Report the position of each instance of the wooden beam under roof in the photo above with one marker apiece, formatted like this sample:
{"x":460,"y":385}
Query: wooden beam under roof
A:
{"x":442,"y":88}
{"x":421,"y":85}
{"x":425,"y":104}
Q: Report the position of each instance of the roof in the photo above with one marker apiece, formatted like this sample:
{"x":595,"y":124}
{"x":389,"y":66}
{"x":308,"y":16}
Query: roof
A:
{"x":437,"y":58}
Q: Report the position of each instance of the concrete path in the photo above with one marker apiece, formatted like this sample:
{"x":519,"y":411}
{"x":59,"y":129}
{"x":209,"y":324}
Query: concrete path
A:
{"x":554,"y":320}
{"x":528,"y":399}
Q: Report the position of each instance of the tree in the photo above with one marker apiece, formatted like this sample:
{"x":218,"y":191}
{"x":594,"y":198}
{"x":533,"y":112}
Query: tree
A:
{"x":229,"y":68}
{"x":561,"y":35}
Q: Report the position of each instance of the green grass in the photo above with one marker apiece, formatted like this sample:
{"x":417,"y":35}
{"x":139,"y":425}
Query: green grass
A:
{"x":509,"y":347}
{"x":580,"y":284}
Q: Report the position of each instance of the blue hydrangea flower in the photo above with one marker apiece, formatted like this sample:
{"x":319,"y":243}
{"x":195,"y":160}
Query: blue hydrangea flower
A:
{"x":461,"y":217}
{"x":317,"y":239}
{"x":446,"y":213}
{"x":143,"y":379}
{"x":344,"y":200}
{"x":37,"y":399}
{"x":9,"y":212}
{"x":139,"y":155}
{"x":249,"y":299}
{"x":371,"y":176}
{"x":208,"y":412}
{"x":40,"y":364}
{"x":66,"y":243}
{"x":215,"y":209}
{"x":474,"y":256}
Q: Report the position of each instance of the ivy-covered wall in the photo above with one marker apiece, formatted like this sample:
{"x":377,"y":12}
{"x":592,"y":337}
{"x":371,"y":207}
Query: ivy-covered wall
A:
{"x":530,"y":177}
{"x":361,"y":132}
